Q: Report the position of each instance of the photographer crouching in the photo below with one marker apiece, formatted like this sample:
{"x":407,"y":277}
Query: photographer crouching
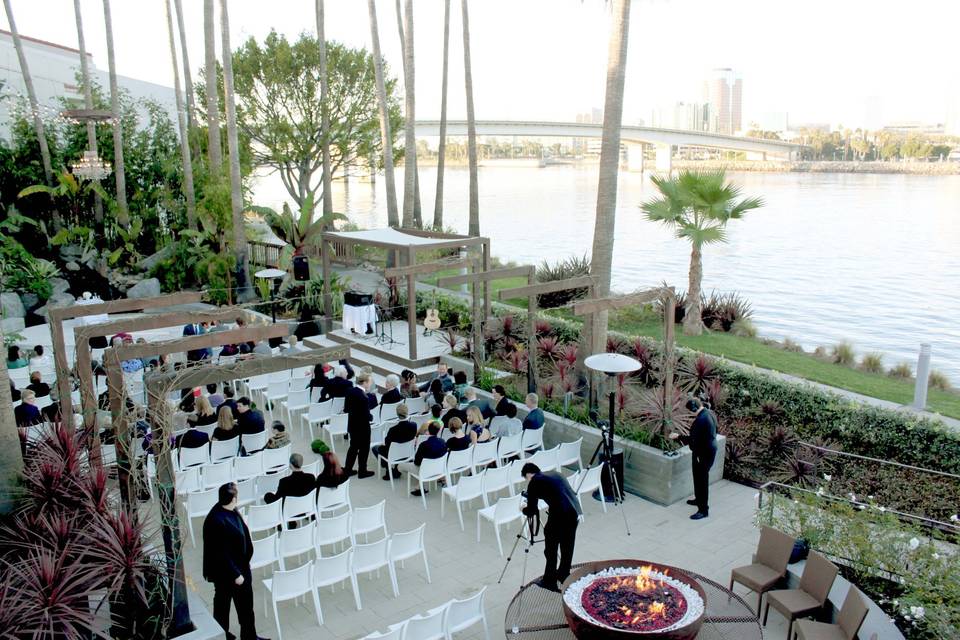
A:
{"x":560,"y":532}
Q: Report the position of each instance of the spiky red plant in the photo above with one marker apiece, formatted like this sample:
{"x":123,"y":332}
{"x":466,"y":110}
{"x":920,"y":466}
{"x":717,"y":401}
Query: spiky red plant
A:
{"x":569,"y":354}
{"x":563,"y":368}
{"x":547,"y":389}
{"x":518,"y":361}
{"x":506,"y":326}
{"x":548,"y":347}
{"x":614,"y":344}
{"x":543,"y":328}
{"x":716,"y":393}
{"x":696,"y":374}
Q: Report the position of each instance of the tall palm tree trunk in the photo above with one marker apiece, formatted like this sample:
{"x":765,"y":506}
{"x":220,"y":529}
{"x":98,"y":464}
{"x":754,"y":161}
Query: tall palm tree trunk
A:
{"x":474,"y":220}
{"x":188,"y":191}
{"x":692,"y":322}
{"x":214,"y":150}
{"x":410,"y":132}
{"x":34,"y":107}
{"x":187,"y":73}
{"x":233,"y":148}
{"x":324,"y":113}
{"x":119,"y":169}
{"x":603,"y":232}
{"x":87,"y":101}
{"x":386,"y":137}
{"x":442,"y":146}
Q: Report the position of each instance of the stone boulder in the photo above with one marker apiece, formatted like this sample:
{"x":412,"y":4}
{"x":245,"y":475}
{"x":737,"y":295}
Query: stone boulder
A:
{"x":12,"y":325}
{"x":29,"y":300}
{"x":11,"y":305}
{"x":59,"y":285}
{"x":149,"y":288}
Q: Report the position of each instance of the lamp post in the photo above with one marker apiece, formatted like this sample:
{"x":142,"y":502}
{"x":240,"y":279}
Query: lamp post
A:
{"x":277,"y":276}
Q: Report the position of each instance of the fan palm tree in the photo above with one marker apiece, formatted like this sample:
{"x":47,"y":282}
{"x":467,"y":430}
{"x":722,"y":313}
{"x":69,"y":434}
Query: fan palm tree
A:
{"x":410,"y":129}
{"x":442,"y":147}
{"x":324,"y":113}
{"x":697,"y":205}
{"x":233,"y":148}
{"x":214,"y":150}
{"x":119,"y":170}
{"x":386,"y":137}
{"x":34,"y":107}
{"x":87,"y":100}
{"x":187,"y":73}
{"x":188,"y":191}
{"x":474,"y":207}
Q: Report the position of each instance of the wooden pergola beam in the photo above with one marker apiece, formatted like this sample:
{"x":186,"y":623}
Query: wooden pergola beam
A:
{"x":580,"y":282}
{"x":593,"y":305}
{"x":427,"y":267}
{"x":485,"y":276}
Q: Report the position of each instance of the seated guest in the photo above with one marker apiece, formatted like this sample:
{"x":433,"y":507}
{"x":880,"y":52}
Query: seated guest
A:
{"x":476,"y":428}
{"x":192,"y":438}
{"x":403,"y":431}
{"x":15,"y":358}
{"x":14,"y":392}
{"x":228,"y":400}
{"x":460,"y":385}
{"x":263,"y":349}
{"x":443,"y":375}
{"x":450,"y":404}
{"x":431,"y":448}
{"x":434,"y":394}
{"x":206,"y":415}
{"x":293,"y":345}
{"x":40,"y":388}
{"x":250,"y":420}
{"x":216,"y":399}
{"x":225,"y":429}
{"x":147,"y":361}
{"x":338,"y":386}
{"x":500,"y":401}
{"x":51,"y":412}
{"x":332,"y":475}
{"x":435,"y":411}
{"x":26,"y":413}
{"x":37,"y":358}
{"x":507,"y":424}
{"x":535,"y":418}
{"x":458,"y":440}
{"x":319,"y":379}
{"x":188,"y":401}
{"x":483,"y":404}
{"x":392,"y":394}
{"x":408,"y":384}
{"x":298,"y":483}
{"x":279,"y":437}
{"x":195,"y":329}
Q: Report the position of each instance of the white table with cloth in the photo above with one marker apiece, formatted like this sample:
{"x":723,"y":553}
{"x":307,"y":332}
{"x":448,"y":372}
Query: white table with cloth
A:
{"x":360,"y":317}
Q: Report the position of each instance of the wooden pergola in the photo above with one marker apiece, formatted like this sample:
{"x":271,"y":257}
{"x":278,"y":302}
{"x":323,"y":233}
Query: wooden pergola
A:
{"x":404,"y":245}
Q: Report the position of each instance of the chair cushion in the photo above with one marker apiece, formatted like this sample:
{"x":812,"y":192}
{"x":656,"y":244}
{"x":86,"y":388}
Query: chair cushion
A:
{"x":757,"y":577}
{"x":792,"y":602}
{"x":810,"y":630}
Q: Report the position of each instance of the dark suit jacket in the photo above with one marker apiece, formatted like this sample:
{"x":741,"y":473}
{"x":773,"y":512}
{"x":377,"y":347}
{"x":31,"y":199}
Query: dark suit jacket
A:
{"x":27,"y":415}
{"x":391,"y":397}
{"x":193,"y":439}
{"x":454,"y":413}
{"x":14,"y":392}
{"x":703,"y":433}
{"x":502,"y":406}
{"x":432,"y":447}
{"x":250,"y":422}
{"x":458,"y":444}
{"x":40,"y":388}
{"x":357,"y":407}
{"x":553,"y":489}
{"x":227,"y":546}
{"x":336,"y":387}
{"x":534,"y":419}
{"x":298,"y":483}
{"x":403,"y":431}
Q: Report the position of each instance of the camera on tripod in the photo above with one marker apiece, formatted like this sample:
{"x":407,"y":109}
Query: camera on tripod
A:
{"x":604,"y":426}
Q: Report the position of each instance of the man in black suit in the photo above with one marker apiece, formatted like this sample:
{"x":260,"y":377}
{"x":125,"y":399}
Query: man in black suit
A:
{"x":703,"y":445}
{"x":452,"y":410}
{"x":403,"y":431}
{"x":227,"y":550}
{"x":430,"y":449}
{"x":392,"y":394}
{"x":192,"y":438}
{"x":500,"y":399}
{"x":338,"y":386}
{"x":228,"y":401}
{"x":298,"y":483}
{"x":486,"y":409}
{"x":26,"y":413}
{"x":561,"y":529}
{"x":40,"y":388}
{"x":357,"y":407}
{"x":249,"y":420}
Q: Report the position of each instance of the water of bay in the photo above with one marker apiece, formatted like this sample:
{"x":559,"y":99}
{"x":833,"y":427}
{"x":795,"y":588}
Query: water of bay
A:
{"x":870,"y":259}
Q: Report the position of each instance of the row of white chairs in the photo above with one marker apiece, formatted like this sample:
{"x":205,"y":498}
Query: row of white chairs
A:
{"x":256,"y":463}
{"x":441,"y":622}
{"x":329,"y":571}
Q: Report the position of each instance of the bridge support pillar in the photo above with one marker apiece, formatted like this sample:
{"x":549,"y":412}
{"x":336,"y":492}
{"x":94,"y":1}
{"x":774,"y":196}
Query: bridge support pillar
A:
{"x":664,"y":158}
{"x":635,"y":157}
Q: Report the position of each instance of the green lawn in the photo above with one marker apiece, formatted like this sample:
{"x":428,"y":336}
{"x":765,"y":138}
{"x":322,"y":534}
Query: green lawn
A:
{"x":496,"y":285}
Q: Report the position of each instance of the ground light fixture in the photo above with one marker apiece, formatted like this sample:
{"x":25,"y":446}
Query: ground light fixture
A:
{"x":277,"y":276}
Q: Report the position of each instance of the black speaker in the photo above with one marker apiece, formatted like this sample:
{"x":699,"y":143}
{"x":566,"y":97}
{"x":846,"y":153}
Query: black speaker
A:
{"x":301,"y":268}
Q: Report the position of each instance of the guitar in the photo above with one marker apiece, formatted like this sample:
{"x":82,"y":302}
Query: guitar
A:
{"x":432,"y":321}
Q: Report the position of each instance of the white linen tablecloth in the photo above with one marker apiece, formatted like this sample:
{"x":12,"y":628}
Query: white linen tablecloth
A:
{"x":357,"y":318}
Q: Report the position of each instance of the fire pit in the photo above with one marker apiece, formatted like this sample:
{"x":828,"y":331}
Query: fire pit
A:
{"x":617,"y":599}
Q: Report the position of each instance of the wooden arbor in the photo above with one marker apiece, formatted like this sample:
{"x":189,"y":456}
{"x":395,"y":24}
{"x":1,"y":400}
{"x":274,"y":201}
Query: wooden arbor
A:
{"x":404,"y":246}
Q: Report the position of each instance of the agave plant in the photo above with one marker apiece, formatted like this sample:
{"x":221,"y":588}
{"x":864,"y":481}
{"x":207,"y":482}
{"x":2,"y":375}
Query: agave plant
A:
{"x":781,"y":442}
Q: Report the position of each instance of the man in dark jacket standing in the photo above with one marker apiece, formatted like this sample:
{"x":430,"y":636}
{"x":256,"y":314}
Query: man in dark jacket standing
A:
{"x":560,"y":533}
{"x":357,"y":407}
{"x":703,"y":444}
{"x":227,"y":549}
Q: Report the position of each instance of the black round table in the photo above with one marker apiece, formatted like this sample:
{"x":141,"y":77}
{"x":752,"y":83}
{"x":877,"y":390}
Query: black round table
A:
{"x":537,"y":614}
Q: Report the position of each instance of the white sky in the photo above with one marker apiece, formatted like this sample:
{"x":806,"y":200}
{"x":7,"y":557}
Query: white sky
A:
{"x":818,"y":60}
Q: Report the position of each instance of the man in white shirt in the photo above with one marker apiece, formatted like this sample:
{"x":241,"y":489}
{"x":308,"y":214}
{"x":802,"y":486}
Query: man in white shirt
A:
{"x":507,"y":424}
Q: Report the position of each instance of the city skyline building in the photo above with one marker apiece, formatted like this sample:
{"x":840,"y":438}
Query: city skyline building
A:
{"x":723,"y":91}
{"x":688,"y":116}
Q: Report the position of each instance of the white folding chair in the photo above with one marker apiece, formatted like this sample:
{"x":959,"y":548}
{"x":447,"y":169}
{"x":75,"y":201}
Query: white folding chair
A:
{"x":516,"y":476}
{"x":224,"y":449}
{"x":333,"y":499}
{"x":254,"y":442}
{"x":425,"y":627}
{"x":416,"y":405}
{"x":199,"y":504}
{"x":508,"y":447}
{"x":295,"y":404}
{"x":263,"y":517}
{"x":366,"y":520}
{"x":463,"y":614}
{"x":532,"y":439}
{"x":468,"y":488}
{"x":287,"y":585}
{"x":336,"y":426}
{"x":257,"y":385}
{"x":265,"y":552}
{"x":296,"y":542}
{"x":569,"y":453}
{"x":484,"y":453}
{"x":297,"y":508}
{"x":546,"y":459}
{"x":216,"y":473}
{"x":313,"y":467}
{"x":430,"y":470}
{"x":268,"y":484}
{"x":333,"y":531}
{"x":588,"y":481}
{"x":328,"y":572}
{"x":193,"y":456}
{"x":317,"y":414}
{"x":496,"y":480}
{"x":398,"y":452}
{"x":458,"y":462}
{"x":506,"y":510}
{"x":275,"y":460}
{"x":338,"y":405}
{"x":275,"y":393}
{"x":388,"y":412}
{"x":245,"y":467}
{"x":372,"y":557}
{"x":186,"y":480}
{"x":247,"y":492}
{"x":395,"y":633}
{"x":299,"y":383}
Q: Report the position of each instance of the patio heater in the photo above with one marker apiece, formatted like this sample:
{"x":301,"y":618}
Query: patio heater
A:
{"x":277,"y":276}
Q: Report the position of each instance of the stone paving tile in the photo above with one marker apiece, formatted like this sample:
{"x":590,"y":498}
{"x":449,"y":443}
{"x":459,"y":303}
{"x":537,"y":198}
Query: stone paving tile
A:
{"x":459,"y":565}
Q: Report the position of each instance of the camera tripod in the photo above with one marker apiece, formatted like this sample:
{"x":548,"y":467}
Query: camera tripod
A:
{"x":606,"y":445}
{"x":531,"y":526}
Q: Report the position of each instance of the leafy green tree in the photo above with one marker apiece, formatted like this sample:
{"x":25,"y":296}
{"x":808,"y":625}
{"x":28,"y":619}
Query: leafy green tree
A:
{"x":277,"y":84}
{"x":697,"y":205}
{"x":70,"y":194}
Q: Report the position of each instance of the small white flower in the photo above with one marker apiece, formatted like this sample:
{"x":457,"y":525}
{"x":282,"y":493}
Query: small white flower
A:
{"x":918,"y":612}
{"x":827,"y":477}
{"x":954,"y":518}
{"x":914,"y":544}
{"x":852,"y":496}
{"x":870,"y":498}
{"x":820,"y":491}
